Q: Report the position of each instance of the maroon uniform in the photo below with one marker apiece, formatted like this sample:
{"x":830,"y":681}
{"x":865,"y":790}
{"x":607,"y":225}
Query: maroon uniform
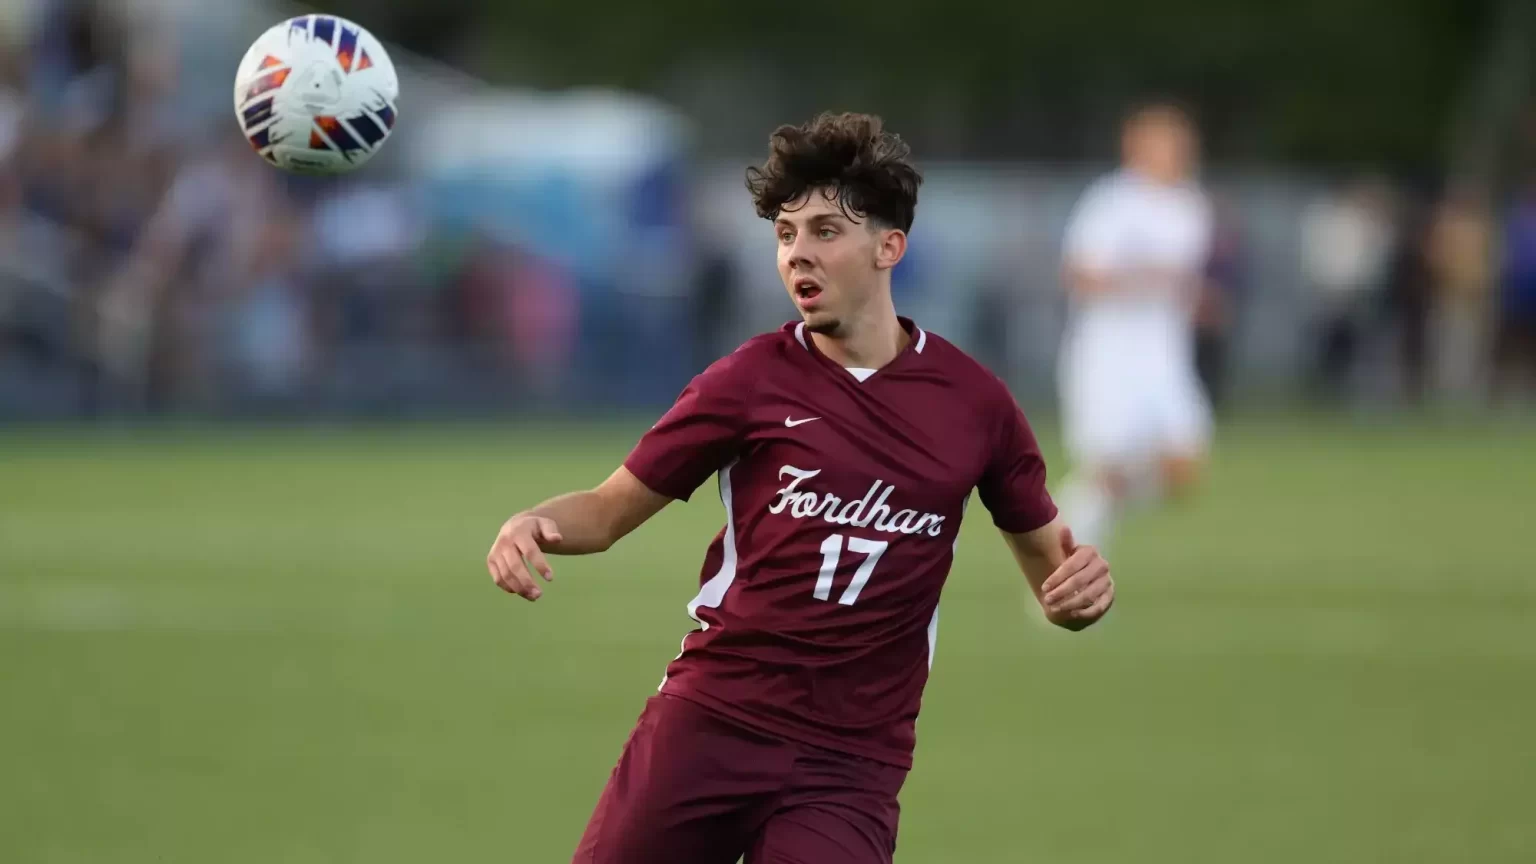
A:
{"x":819,"y":611}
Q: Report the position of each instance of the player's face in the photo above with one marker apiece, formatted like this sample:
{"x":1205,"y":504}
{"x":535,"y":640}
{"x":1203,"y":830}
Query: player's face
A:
{"x":832,"y":265}
{"x":1163,"y":147}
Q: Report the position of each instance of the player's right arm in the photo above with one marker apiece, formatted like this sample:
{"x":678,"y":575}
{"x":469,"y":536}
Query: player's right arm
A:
{"x":576,"y":523}
{"x":1084,"y":282}
{"x":1088,"y":253}
{"x":698,"y":436}
{"x":1093,"y":261}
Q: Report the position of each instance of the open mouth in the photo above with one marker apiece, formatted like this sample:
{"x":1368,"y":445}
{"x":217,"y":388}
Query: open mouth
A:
{"x":806,"y":290}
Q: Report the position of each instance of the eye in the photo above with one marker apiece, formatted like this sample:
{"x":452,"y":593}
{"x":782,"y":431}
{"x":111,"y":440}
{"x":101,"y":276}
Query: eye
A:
{"x":827,"y":233}
{"x":786,"y":237}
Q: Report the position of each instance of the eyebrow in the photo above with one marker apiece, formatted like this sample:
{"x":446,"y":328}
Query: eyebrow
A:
{"x":818,"y":219}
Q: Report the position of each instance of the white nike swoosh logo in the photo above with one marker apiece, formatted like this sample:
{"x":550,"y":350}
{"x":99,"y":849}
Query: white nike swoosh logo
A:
{"x":793,"y":423}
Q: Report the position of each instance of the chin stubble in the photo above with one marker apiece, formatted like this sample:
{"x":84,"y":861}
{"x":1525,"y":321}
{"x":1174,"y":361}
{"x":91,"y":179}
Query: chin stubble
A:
{"x":825,"y":327}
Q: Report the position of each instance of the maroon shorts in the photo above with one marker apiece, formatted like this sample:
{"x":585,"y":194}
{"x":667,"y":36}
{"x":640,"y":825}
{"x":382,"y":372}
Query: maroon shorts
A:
{"x":694,"y":788}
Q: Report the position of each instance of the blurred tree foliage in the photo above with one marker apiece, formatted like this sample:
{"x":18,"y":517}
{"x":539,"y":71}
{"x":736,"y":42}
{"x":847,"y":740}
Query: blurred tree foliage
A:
{"x":1319,"y":82}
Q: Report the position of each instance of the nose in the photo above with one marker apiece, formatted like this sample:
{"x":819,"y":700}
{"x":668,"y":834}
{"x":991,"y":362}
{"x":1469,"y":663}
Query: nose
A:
{"x":797,"y":254}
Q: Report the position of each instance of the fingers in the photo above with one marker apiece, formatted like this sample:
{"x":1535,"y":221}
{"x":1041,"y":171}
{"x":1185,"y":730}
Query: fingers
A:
{"x":510,"y":572}
{"x":531,"y":553}
{"x":515,"y":550}
{"x":1101,"y":605}
{"x":1083,"y":599}
{"x":1080,"y":559}
{"x":1075,"y":603}
{"x":1080,"y":588}
{"x":1105,"y":598}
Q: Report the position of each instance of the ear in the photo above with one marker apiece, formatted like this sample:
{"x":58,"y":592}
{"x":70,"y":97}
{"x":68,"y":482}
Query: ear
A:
{"x":890,"y":248}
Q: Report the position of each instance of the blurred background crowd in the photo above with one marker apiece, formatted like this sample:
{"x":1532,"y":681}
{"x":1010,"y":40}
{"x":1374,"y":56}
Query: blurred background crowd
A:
{"x":559,"y":224}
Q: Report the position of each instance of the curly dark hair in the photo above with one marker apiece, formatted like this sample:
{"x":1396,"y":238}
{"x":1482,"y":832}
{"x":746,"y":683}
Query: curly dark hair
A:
{"x":847,"y":155}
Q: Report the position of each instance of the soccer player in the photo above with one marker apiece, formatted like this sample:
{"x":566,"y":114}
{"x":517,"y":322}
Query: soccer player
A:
{"x":1135,"y":415}
{"x":846,"y":446}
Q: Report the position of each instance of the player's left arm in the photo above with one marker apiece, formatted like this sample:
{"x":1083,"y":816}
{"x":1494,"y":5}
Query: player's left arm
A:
{"x":1071,"y":582}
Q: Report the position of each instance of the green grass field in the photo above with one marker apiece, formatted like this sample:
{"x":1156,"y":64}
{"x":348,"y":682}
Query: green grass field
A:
{"x":281,"y":646}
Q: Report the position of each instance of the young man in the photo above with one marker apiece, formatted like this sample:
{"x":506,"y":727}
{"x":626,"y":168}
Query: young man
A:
{"x":1136,"y":417}
{"x":846,"y":445}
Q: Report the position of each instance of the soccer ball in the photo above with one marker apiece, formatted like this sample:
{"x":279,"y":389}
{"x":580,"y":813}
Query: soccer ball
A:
{"x":316,"y":95}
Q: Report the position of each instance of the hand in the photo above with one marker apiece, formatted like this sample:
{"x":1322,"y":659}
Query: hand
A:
{"x":1080,"y":591}
{"x":517,"y":547}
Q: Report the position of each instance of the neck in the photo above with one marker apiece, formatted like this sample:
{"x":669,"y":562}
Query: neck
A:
{"x":867,"y":343}
{"x":1157,"y":178}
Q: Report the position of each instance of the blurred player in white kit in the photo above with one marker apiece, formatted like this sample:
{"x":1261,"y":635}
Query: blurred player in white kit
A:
{"x":1136,"y":418}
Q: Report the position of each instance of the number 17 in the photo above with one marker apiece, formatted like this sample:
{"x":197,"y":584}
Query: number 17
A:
{"x":832,"y":551}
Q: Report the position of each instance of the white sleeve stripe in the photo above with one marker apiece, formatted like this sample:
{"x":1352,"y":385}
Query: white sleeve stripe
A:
{"x":713,"y":593}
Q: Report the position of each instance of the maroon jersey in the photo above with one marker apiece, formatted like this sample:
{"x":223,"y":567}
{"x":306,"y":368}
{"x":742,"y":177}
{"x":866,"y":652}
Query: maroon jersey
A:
{"x":819,"y":610}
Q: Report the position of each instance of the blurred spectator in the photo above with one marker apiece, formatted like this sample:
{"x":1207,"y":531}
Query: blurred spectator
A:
{"x":543,"y":319}
{"x":220,"y":228}
{"x":12,"y":119}
{"x":1515,"y":344}
{"x":12,"y":130}
{"x":375,"y":312}
{"x":1409,"y":289}
{"x":714,"y":306}
{"x":77,"y":64}
{"x":264,"y":348}
{"x":1459,"y":255}
{"x":94,"y":160}
{"x":19,"y":336}
{"x":522,"y":308}
{"x":1216,"y":308}
{"x":1346,"y":243}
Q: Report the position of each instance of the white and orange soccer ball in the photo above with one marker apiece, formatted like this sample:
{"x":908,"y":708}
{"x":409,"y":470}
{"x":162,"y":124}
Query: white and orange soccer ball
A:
{"x":316,"y":95}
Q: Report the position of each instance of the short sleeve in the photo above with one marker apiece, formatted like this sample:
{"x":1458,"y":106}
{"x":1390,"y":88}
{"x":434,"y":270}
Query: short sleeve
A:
{"x":1093,"y":230}
{"x":697,"y":436}
{"x":1012,"y":485}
